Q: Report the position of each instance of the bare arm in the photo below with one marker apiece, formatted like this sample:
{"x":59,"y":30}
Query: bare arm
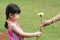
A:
{"x":50,"y":21}
{"x":56,"y":18}
{"x":21,"y":33}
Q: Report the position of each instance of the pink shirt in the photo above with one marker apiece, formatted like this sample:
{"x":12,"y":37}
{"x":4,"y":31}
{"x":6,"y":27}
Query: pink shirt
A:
{"x":13,"y":35}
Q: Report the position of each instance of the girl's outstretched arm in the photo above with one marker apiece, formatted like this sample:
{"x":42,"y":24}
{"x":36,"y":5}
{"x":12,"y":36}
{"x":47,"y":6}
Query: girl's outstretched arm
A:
{"x":21,"y":33}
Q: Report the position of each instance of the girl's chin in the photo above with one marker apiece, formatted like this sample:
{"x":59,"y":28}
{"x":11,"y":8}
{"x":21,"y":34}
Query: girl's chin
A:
{"x":15,"y":20}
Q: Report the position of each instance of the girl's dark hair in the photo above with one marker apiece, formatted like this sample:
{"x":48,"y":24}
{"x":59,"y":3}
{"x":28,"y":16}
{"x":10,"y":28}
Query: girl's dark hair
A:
{"x":13,"y":9}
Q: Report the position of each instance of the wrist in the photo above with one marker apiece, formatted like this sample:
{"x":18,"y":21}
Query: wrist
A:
{"x":35,"y":34}
{"x":51,"y":21}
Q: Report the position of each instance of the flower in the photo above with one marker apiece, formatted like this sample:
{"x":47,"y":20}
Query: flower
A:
{"x":40,"y":14}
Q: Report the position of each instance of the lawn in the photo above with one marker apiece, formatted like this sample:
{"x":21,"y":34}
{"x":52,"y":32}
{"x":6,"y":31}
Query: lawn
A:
{"x":30,"y":21}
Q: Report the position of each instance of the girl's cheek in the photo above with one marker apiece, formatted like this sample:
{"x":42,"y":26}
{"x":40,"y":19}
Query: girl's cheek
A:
{"x":16,"y":18}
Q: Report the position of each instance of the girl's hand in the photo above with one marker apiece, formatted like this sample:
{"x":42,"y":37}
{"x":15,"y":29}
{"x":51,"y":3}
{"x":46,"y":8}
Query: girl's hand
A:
{"x":37,"y":33}
{"x":46,"y":23}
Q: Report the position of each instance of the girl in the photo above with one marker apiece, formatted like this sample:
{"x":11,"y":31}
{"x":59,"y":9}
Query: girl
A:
{"x":15,"y":31}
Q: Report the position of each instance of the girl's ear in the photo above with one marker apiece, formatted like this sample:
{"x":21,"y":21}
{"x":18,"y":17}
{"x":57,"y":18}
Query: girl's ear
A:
{"x":10,"y":15}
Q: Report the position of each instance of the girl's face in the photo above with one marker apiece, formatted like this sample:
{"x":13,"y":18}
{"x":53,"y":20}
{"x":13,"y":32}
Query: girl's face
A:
{"x":14,"y":17}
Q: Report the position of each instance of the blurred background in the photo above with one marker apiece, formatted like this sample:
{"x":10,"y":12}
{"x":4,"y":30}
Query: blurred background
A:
{"x":29,"y":20}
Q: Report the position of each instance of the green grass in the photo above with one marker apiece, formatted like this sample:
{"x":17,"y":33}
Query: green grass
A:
{"x":30,"y":21}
